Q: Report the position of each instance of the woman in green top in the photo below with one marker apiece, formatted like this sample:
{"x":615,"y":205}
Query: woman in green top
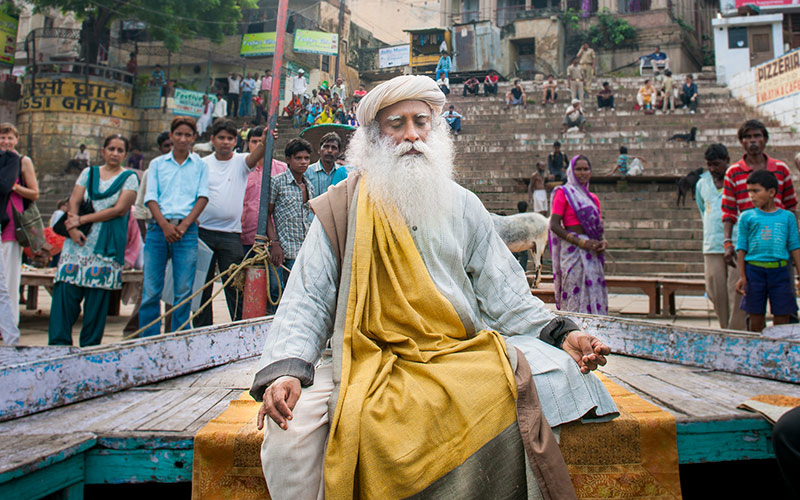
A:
{"x":91,"y":264}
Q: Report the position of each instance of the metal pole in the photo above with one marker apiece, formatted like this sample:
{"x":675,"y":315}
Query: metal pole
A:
{"x":277,"y":62}
{"x":339,"y":34}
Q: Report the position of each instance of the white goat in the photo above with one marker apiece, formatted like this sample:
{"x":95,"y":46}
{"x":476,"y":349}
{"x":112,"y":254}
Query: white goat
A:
{"x":524,"y":232}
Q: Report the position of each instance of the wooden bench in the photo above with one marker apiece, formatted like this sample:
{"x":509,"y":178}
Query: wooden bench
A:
{"x":45,"y":277}
{"x":650,"y":287}
{"x":670,"y":286}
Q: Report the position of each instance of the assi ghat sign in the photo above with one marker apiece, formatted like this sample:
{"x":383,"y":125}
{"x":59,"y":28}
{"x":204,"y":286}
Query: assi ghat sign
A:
{"x":778,"y":78}
{"x":76,"y":96}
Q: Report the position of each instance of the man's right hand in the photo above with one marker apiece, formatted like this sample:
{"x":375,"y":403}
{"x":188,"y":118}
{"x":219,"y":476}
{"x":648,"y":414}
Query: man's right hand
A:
{"x":276,"y":254}
{"x":279,"y":400}
{"x":171,"y":233}
{"x":730,"y":256}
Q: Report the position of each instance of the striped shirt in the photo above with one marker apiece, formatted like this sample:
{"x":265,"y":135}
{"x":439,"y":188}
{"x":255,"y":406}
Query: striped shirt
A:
{"x":292,"y":216}
{"x":734,"y":190}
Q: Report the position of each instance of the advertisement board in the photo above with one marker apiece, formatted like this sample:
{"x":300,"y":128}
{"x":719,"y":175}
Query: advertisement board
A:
{"x":8,"y":38}
{"x":76,"y":96}
{"x":778,"y":78}
{"x":316,"y":42}
{"x":390,"y":57}
{"x":189,"y":102}
{"x":258,"y":44}
{"x":766,"y":3}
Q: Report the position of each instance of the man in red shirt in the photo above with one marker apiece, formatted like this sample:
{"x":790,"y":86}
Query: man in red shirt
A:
{"x":753,"y":136}
{"x":490,"y":83}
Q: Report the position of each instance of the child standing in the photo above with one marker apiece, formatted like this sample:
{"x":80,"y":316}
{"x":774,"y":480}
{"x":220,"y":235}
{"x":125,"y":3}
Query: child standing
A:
{"x":767,"y":235}
{"x":537,"y":195}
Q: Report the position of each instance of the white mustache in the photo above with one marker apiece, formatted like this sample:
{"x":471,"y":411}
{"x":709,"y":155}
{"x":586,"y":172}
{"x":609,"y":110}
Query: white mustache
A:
{"x":405,"y":146}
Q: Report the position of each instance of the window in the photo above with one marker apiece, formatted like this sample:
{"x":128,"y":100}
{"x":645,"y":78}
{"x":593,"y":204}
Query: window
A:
{"x":326,"y":63}
{"x":737,"y":38}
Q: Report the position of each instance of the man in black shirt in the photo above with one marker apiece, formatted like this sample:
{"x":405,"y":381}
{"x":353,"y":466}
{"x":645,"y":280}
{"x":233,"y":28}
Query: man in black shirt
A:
{"x":516,"y":95}
{"x":557,"y":162}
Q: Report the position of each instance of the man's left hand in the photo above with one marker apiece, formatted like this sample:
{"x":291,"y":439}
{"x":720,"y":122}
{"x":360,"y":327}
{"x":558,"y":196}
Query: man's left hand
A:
{"x":588,"y":351}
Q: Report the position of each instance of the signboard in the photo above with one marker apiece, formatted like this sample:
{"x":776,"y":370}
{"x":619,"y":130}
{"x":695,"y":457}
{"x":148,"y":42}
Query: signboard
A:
{"x":148,"y":98}
{"x":189,"y":102}
{"x":766,"y":3}
{"x":8,"y":38}
{"x":778,"y":78}
{"x":258,"y":44}
{"x":390,"y":57}
{"x":316,"y":42}
{"x":76,"y":96}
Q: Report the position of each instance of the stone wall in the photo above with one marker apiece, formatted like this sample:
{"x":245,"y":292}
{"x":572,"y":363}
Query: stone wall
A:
{"x":57,"y":115}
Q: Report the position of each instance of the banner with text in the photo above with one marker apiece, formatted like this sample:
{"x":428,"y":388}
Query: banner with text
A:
{"x":316,"y":42}
{"x":76,"y":96}
{"x":8,"y":38}
{"x":258,"y":44}
{"x":390,"y":57}
{"x":778,"y":78}
{"x":189,"y":102}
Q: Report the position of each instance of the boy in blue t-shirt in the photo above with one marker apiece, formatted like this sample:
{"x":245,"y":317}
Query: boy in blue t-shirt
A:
{"x":767,"y":235}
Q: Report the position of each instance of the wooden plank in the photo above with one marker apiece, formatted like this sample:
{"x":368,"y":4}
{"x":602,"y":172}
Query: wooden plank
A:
{"x":746,"y":439}
{"x":43,"y":482}
{"x":18,"y":355}
{"x":237,"y":375}
{"x":181,"y":415}
{"x":23,"y":454}
{"x":213,"y":412}
{"x":104,"y":466}
{"x":45,"y":384}
{"x":735,"y":352}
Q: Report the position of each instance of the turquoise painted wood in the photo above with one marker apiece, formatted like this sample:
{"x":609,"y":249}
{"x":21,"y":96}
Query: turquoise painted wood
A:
{"x":746,"y":439}
{"x":66,"y":475}
{"x":105,"y":466}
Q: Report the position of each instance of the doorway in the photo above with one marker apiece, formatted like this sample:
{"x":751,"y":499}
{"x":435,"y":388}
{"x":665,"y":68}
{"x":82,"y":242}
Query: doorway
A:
{"x":760,"y":41}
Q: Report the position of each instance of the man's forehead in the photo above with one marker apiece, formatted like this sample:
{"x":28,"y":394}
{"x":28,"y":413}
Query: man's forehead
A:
{"x":404,"y":108}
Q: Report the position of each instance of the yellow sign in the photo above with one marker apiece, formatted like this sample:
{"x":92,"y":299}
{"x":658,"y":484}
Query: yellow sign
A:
{"x":8,"y":38}
{"x":76,"y":96}
{"x":258,"y":44}
{"x":778,"y":78}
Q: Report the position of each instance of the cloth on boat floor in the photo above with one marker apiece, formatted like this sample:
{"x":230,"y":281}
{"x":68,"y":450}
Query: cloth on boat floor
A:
{"x":633,"y":456}
{"x":770,"y":406}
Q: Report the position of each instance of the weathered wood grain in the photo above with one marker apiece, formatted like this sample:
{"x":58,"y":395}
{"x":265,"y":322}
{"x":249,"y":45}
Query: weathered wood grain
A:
{"x":735,"y":352}
{"x":104,"y":466}
{"x":22,"y":454}
{"x":43,"y":384}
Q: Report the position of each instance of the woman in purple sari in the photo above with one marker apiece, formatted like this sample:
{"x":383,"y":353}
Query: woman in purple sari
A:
{"x":576,"y":243}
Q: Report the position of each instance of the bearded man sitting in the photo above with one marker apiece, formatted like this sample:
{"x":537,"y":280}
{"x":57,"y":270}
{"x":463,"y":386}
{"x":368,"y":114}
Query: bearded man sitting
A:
{"x":405,"y":357}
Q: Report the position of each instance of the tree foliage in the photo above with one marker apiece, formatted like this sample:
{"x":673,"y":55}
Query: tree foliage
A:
{"x":170,"y":21}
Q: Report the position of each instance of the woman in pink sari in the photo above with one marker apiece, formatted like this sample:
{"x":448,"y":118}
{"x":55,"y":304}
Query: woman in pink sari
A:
{"x":576,"y":243}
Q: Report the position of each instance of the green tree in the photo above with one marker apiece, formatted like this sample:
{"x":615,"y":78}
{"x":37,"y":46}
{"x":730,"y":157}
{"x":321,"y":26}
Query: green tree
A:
{"x":170,"y":21}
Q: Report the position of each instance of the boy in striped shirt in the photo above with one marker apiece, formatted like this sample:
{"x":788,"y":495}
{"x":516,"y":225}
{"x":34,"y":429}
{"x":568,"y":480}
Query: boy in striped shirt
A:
{"x":753,"y":136}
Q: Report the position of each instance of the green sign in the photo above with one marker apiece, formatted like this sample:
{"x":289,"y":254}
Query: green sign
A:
{"x":316,"y":42}
{"x":148,"y":97}
{"x":258,"y":44}
{"x":189,"y":102}
{"x":8,"y":38}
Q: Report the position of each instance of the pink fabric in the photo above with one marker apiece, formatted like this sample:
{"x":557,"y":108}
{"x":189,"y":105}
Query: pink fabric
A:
{"x":562,"y":208}
{"x":134,"y":244}
{"x":9,"y":232}
{"x":252,"y":198}
{"x":266,"y":82}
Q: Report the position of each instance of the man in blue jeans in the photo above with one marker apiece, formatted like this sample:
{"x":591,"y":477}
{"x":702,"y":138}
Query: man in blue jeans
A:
{"x":177,"y":192}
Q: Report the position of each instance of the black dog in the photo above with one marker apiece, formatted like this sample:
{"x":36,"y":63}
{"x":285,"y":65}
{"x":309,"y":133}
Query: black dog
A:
{"x":690,"y":137}
{"x":687,"y":184}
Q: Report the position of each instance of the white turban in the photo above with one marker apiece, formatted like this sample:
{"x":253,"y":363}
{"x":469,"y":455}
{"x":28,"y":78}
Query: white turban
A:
{"x":401,"y":88}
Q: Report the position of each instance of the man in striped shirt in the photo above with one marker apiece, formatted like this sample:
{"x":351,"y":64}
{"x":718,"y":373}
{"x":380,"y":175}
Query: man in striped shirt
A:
{"x":753,"y":136}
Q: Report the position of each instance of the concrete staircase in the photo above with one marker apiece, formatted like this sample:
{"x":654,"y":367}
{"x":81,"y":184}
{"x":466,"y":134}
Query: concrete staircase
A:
{"x":648,"y":234}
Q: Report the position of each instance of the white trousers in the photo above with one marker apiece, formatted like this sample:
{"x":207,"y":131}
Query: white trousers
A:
{"x":8,"y":328}
{"x":721,"y":289}
{"x":12,"y":263}
{"x":293,"y":459}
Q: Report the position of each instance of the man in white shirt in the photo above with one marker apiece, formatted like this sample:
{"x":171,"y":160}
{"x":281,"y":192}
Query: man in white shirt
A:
{"x":266,"y":86}
{"x":299,"y":84}
{"x":234,"y":81}
{"x":247,"y":87}
{"x":80,"y":160}
{"x":339,"y":89}
{"x":220,"y":107}
{"x":221,"y":221}
{"x":574,"y":117}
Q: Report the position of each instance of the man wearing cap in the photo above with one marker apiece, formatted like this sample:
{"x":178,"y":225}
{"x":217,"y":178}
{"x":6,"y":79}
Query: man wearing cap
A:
{"x":299,"y":84}
{"x":407,"y":351}
{"x":573,"y":117}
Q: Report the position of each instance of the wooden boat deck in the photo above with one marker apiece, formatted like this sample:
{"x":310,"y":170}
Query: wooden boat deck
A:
{"x":146,"y":433}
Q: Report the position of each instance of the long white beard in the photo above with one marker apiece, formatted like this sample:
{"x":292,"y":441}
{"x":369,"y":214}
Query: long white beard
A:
{"x":418,"y":187}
